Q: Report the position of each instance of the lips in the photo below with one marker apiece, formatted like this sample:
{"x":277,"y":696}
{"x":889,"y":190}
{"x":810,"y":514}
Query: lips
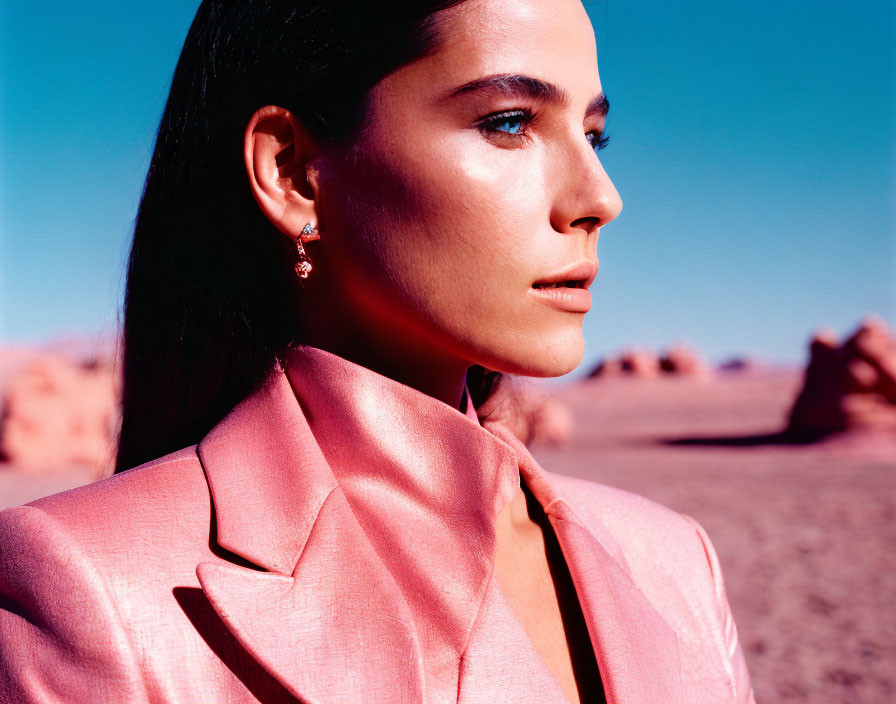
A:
{"x":578,"y":275}
{"x":562,"y":284}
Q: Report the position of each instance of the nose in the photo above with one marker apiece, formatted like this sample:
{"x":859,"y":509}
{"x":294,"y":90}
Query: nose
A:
{"x":587,"y":199}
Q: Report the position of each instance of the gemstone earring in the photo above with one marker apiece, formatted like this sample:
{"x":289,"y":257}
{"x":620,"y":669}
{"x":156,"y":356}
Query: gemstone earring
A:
{"x":303,"y":265}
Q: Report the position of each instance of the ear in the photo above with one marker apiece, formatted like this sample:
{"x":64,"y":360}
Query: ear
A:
{"x":278,"y":151}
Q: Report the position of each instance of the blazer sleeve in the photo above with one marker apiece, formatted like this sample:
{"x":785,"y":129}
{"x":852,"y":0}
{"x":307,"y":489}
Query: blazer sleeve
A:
{"x":732,"y":649}
{"x":61,"y":637}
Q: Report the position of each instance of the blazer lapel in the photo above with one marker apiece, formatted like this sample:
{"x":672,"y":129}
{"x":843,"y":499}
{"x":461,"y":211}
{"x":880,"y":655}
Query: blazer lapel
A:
{"x":325,"y":616}
{"x":336,"y":630}
{"x":637,"y":650}
{"x":326,"y":619}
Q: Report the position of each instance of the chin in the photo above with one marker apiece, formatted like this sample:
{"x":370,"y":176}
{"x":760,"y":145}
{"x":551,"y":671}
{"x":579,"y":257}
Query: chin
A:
{"x":547,"y":355}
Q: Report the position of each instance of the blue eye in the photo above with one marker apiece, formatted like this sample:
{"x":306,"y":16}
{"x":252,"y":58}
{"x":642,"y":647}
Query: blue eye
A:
{"x":597,"y":141}
{"x":511,"y":125}
{"x":511,"y":122}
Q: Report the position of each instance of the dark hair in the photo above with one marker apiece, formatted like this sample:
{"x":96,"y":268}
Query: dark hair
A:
{"x":207,"y":310}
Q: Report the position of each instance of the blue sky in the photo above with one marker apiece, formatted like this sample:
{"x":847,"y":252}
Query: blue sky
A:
{"x":753,"y":145}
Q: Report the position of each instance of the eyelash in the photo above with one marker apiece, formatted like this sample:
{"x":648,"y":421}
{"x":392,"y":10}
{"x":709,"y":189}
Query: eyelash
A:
{"x":488,"y":125}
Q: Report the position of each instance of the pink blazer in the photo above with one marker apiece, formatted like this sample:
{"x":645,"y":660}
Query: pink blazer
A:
{"x":332,"y":540}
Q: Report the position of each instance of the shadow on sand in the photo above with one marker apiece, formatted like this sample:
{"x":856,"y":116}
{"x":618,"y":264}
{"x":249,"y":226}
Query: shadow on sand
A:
{"x":784,"y":437}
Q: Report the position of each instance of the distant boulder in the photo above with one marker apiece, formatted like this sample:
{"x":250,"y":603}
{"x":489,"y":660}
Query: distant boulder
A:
{"x":848,"y":386}
{"x":57,"y":412}
{"x":738,"y":364}
{"x":633,"y":362}
{"x":530,"y":411}
{"x":679,"y":359}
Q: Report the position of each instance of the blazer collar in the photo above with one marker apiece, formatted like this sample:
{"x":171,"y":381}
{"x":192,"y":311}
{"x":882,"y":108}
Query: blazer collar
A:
{"x":352,"y":488}
{"x":322,"y":422}
{"x":371,"y":506}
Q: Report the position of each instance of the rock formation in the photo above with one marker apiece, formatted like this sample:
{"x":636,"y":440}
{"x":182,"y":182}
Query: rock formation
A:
{"x":678,"y":359}
{"x":681,"y":359}
{"x":57,"y":412}
{"x":533,"y":414}
{"x":848,"y":386}
{"x":739,"y":364}
{"x":630,"y":362}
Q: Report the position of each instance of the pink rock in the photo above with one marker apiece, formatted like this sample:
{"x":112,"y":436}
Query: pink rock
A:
{"x":631,"y":362}
{"x":56,"y":412}
{"x":641,"y":363}
{"x":553,"y":423}
{"x":848,"y":386}
{"x":533,"y":414}
{"x":738,"y":364}
{"x":681,"y":359}
{"x":607,"y":367}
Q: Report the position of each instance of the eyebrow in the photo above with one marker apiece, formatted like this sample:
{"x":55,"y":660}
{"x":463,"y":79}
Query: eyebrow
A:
{"x":513,"y":85}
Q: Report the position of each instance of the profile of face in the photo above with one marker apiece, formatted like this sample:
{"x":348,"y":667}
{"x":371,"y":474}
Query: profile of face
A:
{"x":475,"y":182}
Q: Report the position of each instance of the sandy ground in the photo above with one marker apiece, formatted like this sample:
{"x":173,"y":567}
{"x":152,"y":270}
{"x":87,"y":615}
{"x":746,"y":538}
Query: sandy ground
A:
{"x":806,"y":534}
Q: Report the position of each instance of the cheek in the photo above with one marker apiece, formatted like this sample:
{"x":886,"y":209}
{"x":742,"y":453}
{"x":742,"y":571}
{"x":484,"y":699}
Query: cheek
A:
{"x":477,"y":213}
{"x":478,"y":207}
{"x":444,"y":234}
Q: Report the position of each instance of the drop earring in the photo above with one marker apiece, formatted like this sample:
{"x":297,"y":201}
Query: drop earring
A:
{"x":303,"y":265}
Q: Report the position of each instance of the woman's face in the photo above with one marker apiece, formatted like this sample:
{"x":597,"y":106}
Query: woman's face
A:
{"x":477,"y":178}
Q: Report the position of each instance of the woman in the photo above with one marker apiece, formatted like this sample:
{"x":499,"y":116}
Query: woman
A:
{"x":318,"y":513}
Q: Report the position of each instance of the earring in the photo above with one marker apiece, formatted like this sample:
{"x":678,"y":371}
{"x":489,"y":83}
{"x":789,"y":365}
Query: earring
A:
{"x":303,"y":265}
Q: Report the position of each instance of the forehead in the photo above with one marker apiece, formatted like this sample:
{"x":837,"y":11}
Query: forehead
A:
{"x":549,"y":39}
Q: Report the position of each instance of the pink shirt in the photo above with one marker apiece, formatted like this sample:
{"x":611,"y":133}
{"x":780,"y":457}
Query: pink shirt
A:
{"x":332,"y":540}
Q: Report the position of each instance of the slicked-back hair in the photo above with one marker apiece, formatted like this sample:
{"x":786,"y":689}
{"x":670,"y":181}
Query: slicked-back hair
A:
{"x":209,"y":303}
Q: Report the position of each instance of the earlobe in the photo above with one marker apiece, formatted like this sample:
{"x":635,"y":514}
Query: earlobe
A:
{"x":277,"y":153}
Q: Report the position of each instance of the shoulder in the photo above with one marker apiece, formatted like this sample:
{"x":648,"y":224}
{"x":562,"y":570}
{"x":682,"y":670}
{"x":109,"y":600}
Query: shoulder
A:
{"x":672,"y":561}
{"x":145,"y":512}
{"x":136,"y":495}
{"x":77,"y":566}
{"x":629,"y":517}
{"x":659,"y":545}
{"x":60,"y":629}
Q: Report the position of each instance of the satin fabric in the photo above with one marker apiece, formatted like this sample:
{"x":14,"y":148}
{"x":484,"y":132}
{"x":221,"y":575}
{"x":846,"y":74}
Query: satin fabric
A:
{"x":332,"y":540}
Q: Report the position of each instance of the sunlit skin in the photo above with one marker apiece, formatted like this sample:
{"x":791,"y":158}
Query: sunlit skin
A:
{"x":436,"y":222}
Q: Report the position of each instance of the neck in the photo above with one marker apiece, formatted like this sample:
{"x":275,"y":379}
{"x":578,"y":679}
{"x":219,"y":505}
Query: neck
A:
{"x":385,"y":347}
